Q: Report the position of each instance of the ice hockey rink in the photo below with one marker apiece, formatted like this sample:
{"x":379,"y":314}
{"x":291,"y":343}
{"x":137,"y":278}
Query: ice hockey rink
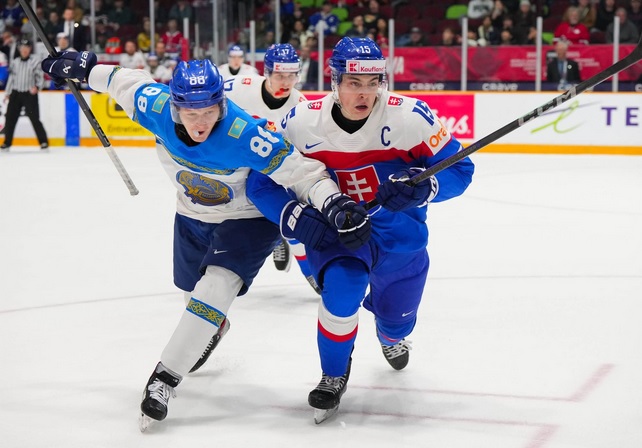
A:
{"x":529,"y":334}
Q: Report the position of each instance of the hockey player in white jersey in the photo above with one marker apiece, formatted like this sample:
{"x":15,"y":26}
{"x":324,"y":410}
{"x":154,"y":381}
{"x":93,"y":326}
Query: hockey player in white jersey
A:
{"x":236,"y":65}
{"x":208,"y":145}
{"x":272,"y":96}
{"x":371,"y":140}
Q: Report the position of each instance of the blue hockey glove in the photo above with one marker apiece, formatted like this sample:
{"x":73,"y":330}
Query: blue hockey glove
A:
{"x":69,"y":65}
{"x":396,"y":195}
{"x":349,"y":219}
{"x":306,"y":224}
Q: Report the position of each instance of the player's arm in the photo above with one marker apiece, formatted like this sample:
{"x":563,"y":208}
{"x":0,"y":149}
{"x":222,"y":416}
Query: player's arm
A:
{"x":396,"y":195}
{"x":120,"y":83}
{"x":295,"y":219}
{"x":311,"y":183}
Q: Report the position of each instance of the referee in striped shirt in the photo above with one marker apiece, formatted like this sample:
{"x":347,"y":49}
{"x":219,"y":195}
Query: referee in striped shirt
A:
{"x":25,"y":79}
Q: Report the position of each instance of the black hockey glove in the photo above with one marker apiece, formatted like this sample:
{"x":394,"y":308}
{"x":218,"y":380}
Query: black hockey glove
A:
{"x":69,"y":65}
{"x":349,"y":219}
{"x":396,"y":195}
{"x":307,"y":224}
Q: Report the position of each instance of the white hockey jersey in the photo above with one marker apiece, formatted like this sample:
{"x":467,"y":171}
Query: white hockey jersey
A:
{"x":210,"y":177}
{"x":245,"y":91}
{"x":401,"y":132}
{"x":244,"y":70}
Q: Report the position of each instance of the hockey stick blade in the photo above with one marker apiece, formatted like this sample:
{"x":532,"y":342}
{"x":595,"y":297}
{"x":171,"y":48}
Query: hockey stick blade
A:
{"x":624,"y":63}
{"x":81,"y":102}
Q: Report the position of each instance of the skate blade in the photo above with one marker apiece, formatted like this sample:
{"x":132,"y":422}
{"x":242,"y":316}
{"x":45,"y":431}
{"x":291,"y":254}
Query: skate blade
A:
{"x":144,"y":422}
{"x":321,"y":415}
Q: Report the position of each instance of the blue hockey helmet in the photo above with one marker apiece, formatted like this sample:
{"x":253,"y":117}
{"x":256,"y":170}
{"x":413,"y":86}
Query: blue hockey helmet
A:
{"x":281,"y":58}
{"x":235,"y":50}
{"x":358,"y":56}
{"x":195,"y":85}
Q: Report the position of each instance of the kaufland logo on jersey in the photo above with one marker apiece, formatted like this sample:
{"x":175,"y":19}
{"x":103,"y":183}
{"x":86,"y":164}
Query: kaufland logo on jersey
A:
{"x":375,"y":67}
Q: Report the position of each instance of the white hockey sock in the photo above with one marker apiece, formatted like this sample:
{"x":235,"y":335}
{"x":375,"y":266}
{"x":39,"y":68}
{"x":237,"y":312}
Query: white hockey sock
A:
{"x":209,"y":304}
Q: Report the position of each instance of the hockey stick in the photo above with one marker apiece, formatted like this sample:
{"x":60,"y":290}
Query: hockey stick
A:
{"x":81,"y":102}
{"x":632,"y":58}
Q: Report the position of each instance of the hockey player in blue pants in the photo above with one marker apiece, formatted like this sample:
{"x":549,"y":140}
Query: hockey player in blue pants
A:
{"x":371,"y":140}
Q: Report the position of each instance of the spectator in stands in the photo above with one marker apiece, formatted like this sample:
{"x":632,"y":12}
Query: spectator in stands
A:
{"x":506,"y":36}
{"x":100,"y":11}
{"x":309,"y":79}
{"x":159,"y":72}
{"x":76,"y":31}
{"x":63,"y":43}
{"x":479,"y":8}
{"x":358,"y":27}
{"x":416,"y":38}
{"x":381,"y":33}
{"x":324,"y":18}
{"x":267,"y":40}
{"x":635,"y":13}
{"x":53,"y":26}
{"x":131,"y":56}
{"x":300,"y":31}
{"x":498,"y":13}
{"x":144,"y":38}
{"x":629,"y":33}
{"x":172,"y":38}
{"x":486,"y":33}
{"x":372,"y":15}
{"x":572,"y":30}
{"x":181,"y":10}
{"x":524,"y":24}
{"x":9,"y":46}
{"x":26,"y":28}
{"x":78,"y":13}
{"x":587,"y":12}
{"x":103,"y":34}
{"x":160,"y":15}
{"x":449,"y":38}
{"x":12,"y":14}
{"x":120,"y":15}
{"x":163,"y":57}
{"x":53,"y":5}
{"x":605,"y":14}
{"x":561,"y":70}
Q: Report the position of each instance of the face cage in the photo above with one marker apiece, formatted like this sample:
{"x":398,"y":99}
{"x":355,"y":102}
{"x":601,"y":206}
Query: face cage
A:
{"x":176,"y":117}
{"x":335,"y":80}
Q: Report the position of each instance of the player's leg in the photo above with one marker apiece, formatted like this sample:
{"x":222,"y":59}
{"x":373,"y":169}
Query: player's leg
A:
{"x":396,"y":288}
{"x":228,"y":268}
{"x":344,"y":280}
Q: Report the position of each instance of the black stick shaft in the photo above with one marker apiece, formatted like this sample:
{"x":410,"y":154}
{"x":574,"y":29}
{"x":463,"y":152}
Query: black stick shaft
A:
{"x":624,"y":63}
{"x":81,"y":102}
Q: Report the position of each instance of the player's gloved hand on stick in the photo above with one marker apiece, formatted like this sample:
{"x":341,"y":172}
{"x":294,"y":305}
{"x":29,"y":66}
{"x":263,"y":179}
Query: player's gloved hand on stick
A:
{"x":69,"y":65}
{"x":396,"y":195}
{"x":349,"y":219}
{"x":306,"y":224}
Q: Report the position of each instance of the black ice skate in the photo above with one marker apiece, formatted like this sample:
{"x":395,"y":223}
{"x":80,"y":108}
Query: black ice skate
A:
{"x":397,"y":355}
{"x":156,"y":396}
{"x":281,"y":256}
{"x":325,"y":398}
{"x":225,"y":325}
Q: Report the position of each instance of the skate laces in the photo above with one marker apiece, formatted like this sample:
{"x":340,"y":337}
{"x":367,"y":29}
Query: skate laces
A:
{"x":331,"y":383}
{"x":394,"y":351}
{"x":279,"y":253}
{"x":161,"y":391}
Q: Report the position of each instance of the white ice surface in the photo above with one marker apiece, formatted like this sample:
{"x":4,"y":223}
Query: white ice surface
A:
{"x":529,"y":335}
